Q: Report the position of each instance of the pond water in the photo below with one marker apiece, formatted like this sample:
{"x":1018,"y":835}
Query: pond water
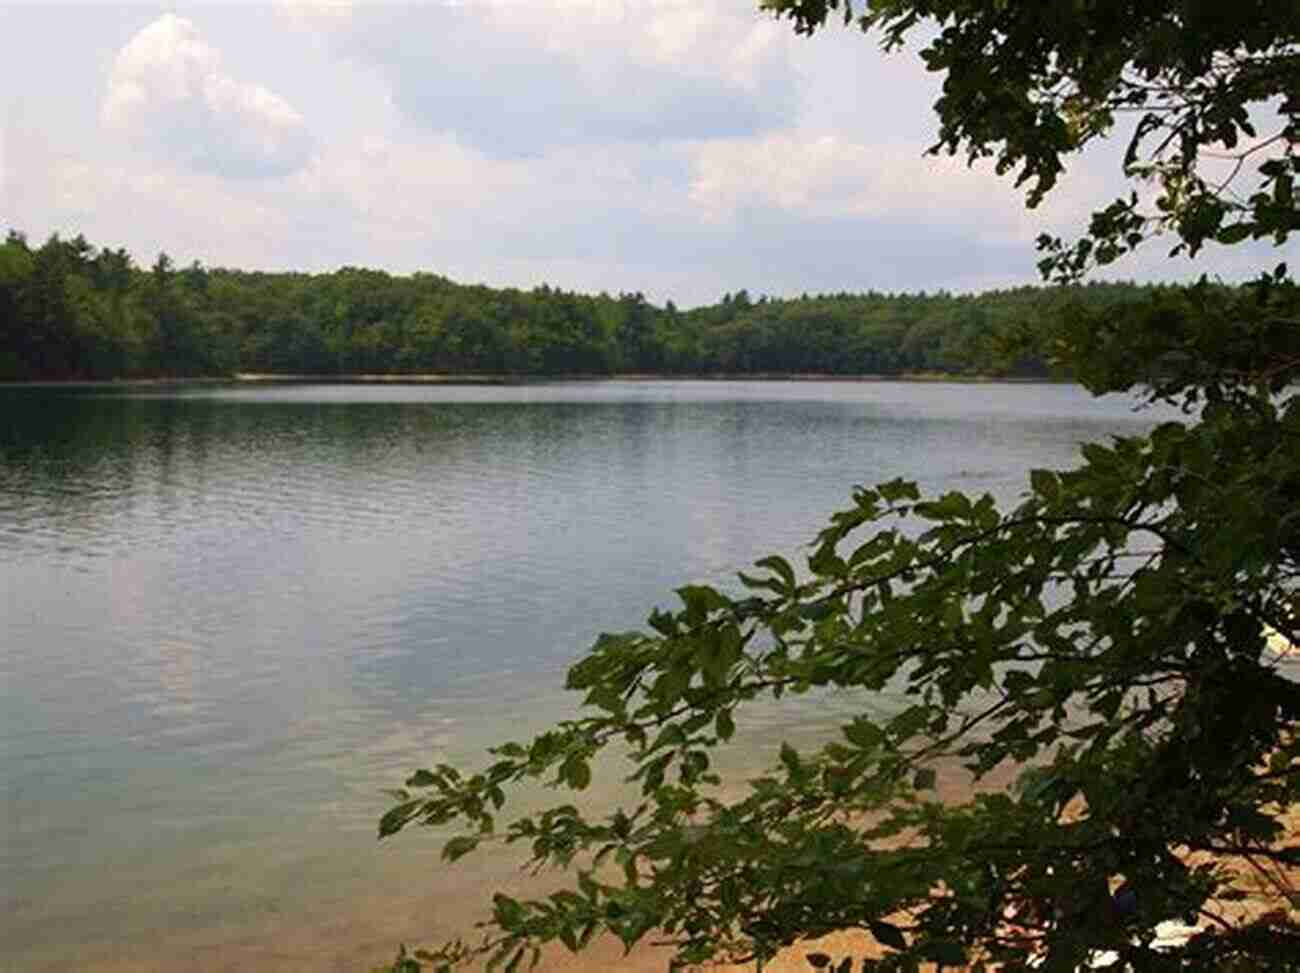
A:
{"x":230,"y":616}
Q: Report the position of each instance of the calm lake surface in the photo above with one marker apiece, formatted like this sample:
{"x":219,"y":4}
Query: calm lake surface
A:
{"x":230,"y":616}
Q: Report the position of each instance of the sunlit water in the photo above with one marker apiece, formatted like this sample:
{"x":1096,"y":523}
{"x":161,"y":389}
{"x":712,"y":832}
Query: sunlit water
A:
{"x":231,"y":616}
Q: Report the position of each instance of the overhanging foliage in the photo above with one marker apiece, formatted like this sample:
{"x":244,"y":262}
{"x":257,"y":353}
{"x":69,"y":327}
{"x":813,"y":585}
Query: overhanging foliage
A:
{"x":1110,"y":643}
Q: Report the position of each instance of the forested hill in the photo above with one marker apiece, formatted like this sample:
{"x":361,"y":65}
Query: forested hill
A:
{"x":69,"y":310}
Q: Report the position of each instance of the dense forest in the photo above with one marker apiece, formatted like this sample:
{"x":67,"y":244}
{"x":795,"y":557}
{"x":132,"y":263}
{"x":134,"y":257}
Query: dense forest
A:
{"x":69,"y":310}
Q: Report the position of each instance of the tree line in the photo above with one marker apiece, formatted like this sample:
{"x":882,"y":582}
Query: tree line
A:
{"x":70,"y":310}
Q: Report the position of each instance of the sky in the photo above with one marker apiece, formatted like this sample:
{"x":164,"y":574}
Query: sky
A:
{"x":681,"y":148}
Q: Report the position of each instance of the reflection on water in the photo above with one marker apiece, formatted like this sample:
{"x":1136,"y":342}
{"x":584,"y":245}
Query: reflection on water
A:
{"x":233,"y":615}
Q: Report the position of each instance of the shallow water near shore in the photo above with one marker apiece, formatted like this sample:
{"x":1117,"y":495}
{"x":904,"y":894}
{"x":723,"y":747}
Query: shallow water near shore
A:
{"x":231,"y":615}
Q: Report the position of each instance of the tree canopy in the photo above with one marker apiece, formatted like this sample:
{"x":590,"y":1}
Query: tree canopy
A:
{"x":1111,"y":645}
{"x":71,"y":311}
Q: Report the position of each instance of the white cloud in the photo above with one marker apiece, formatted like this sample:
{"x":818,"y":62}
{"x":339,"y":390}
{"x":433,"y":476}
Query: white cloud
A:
{"x":410,"y":189}
{"x":828,"y":176}
{"x":679,"y":147}
{"x":169,"y":89}
{"x":521,"y":79}
{"x":193,"y":213}
{"x":725,"y":40}
{"x":316,"y":15}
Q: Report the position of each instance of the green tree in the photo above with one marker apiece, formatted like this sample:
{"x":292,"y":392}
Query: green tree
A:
{"x":1105,"y":645}
{"x":67,"y":311}
{"x":16,"y":268}
{"x":636,"y":334}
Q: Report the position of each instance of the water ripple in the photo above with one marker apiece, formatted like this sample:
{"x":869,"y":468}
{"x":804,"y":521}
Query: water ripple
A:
{"x":231,"y":617}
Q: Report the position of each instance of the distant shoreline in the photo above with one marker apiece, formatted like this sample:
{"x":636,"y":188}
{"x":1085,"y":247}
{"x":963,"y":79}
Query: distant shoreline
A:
{"x":506,"y":378}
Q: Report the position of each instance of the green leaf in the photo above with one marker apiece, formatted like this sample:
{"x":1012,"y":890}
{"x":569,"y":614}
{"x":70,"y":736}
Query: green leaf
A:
{"x":761,"y":584}
{"x":421,"y":778}
{"x":395,"y":819}
{"x":909,"y":722}
{"x":950,"y":506}
{"x":576,"y":773}
{"x":898,"y":490}
{"x":1234,"y":233}
{"x":1045,"y":483}
{"x":701,"y":601}
{"x":459,"y":847}
{"x":509,"y":913}
{"x":946,"y":952}
{"x":780,"y":567}
{"x":790,"y":757}
{"x":821,"y":609}
{"x":864,"y":734}
{"x":887,"y":934}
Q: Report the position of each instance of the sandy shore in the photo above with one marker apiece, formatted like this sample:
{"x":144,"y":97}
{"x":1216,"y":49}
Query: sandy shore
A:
{"x":412,"y":898}
{"x":420,"y":901}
